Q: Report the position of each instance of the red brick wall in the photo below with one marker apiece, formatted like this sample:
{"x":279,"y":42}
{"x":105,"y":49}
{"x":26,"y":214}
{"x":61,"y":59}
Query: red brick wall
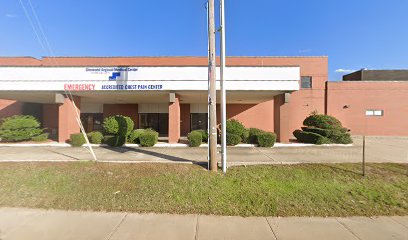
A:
{"x":9,"y":108}
{"x":348,"y":101}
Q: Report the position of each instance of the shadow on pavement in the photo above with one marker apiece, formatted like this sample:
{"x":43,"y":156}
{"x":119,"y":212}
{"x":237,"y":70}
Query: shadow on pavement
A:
{"x":156,"y":154}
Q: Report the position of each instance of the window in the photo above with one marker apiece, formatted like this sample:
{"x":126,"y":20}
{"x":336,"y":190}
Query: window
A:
{"x":306,"y":82}
{"x":157,"y":121}
{"x":199,"y":121}
{"x":376,"y":113}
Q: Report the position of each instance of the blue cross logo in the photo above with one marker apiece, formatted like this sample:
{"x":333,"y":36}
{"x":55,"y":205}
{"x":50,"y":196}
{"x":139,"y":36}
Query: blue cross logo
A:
{"x":114,"y":76}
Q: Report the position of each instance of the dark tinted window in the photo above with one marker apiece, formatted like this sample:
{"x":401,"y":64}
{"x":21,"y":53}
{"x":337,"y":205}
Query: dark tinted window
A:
{"x":306,"y":82}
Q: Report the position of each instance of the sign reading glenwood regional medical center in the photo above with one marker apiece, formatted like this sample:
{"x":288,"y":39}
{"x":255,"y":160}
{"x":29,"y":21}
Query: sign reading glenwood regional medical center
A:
{"x":143,"y":78}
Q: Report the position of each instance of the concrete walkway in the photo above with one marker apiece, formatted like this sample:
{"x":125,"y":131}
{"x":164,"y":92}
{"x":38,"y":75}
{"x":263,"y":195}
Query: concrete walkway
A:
{"x":391,"y":149}
{"x":18,"y":224}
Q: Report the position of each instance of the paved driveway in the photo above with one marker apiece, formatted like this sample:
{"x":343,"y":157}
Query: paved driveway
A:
{"x":378,"y":149}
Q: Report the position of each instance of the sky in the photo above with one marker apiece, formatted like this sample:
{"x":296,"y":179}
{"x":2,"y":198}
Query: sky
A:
{"x":354,"y":34}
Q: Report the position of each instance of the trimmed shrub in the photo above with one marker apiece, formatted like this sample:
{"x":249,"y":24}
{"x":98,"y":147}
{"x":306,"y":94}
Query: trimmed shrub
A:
{"x":235,"y":127}
{"x":266,"y":139}
{"x":195,"y":138}
{"x":19,"y":122}
{"x":114,"y":140}
{"x":77,"y":139}
{"x":20,"y":134}
{"x":323,"y":129}
{"x":95,"y":137}
{"x":233,"y":139}
{"x":310,"y":137}
{"x":344,"y":138}
{"x":19,"y":128}
{"x":40,"y":138}
{"x":203,"y":133}
{"x":149,"y":138}
{"x":253,"y":133}
{"x":135,"y":135}
{"x":322,"y":121}
{"x":112,"y":124}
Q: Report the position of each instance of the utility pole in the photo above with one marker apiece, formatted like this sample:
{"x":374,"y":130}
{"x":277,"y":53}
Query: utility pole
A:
{"x":223,"y":90}
{"x":212,"y":95}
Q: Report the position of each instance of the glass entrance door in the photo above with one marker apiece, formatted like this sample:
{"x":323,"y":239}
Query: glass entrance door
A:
{"x":157,"y":121}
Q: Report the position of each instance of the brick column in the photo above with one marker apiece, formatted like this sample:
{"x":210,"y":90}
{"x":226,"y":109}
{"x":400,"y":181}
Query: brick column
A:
{"x":67,"y":123}
{"x":174,"y":121}
{"x":281,"y":119}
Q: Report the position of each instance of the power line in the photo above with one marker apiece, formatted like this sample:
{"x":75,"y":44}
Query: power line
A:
{"x":32,"y":26}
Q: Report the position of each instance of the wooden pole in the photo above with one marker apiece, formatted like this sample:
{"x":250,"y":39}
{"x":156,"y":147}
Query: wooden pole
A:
{"x":212,"y":96}
{"x":364,"y":143}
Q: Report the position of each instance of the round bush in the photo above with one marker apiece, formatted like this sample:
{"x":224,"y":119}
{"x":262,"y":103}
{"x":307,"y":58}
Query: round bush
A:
{"x":235,"y":127}
{"x":322,"y":121}
{"x":195,"y":138}
{"x":233,"y":139}
{"x":253,"y":133}
{"x":77,"y":139}
{"x":112,"y":124}
{"x":203,"y":133}
{"x":149,"y":138}
{"x":266,"y":139}
{"x":95,"y":137}
{"x":114,"y":140}
{"x":40,"y":138}
{"x":135,"y":135}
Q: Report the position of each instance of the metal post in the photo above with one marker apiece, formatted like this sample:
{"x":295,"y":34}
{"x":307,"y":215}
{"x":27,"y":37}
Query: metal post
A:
{"x":223,"y":90}
{"x":212,"y":99}
{"x":364,"y":143}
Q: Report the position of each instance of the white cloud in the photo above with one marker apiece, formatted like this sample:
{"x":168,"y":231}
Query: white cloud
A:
{"x":341,"y":70}
{"x":9,"y":15}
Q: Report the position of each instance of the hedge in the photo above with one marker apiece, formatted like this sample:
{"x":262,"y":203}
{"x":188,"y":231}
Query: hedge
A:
{"x":245,"y":136}
{"x":95,"y":137}
{"x":195,"y":138}
{"x":149,"y":138}
{"x":233,"y":139}
{"x":253,"y":133}
{"x":19,"y":128}
{"x":266,"y":139}
{"x":77,"y":139}
{"x":40,"y":138}
{"x":135,"y":135}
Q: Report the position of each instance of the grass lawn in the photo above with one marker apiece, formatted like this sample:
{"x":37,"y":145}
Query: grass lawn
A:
{"x":281,"y":190}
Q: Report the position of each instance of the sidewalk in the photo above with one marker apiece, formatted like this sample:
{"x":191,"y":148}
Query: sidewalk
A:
{"x":17,"y":223}
{"x":378,"y":150}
